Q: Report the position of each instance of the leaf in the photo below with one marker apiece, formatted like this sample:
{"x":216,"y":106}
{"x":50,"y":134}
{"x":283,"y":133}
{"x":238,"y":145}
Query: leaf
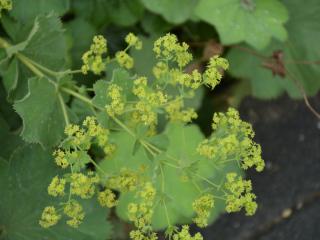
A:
{"x":144,"y":59}
{"x":93,"y":11}
{"x":35,"y":44}
{"x":299,"y":48}
{"x":42,"y":113}
{"x":155,"y":24}
{"x":254,"y":22}
{"x":23,"y":183}
{"x":263,"y":84}
{"x":174,"y":11}
{"x":8,"y":141}
{"x":102,"y":12}
{"x":125,"y":12}
{"x":25,"y":10}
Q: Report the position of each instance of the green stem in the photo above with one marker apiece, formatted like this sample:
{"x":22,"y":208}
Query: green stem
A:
{"x":64,"y":110}
{"x":166,"y":212}
{"x":33,"y":69}
{"x":79,"y":96}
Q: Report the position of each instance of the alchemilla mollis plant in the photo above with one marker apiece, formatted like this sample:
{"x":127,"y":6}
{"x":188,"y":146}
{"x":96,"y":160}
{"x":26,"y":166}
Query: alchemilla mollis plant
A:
{"x":136,"y":150}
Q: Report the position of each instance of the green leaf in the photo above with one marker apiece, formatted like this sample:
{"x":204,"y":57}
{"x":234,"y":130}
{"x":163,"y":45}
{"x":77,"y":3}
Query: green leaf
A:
{"x":8,"y":140}
{"x":102,"y":12}
{"x":254,"y":22}
{"x":23,"y":183}
{"x":155,"y":24}
{"x":246,"y":66}
{"x":300,"y":48}
{"x":7,"y":112}
{"x":93,"y":11}
{"x":37,"y":45}
{"x":144,"y":59}
{"x":25,"y":11}
{"x":125,"y":12}
{"x":42,"y":114}
{"x":174,"y":11}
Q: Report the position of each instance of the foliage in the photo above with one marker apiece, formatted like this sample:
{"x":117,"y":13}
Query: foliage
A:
{"x":298,"y":54}
{"x":119,"y":123}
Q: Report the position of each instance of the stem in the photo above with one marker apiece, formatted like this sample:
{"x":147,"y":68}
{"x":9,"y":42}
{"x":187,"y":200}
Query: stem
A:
{"x":166,"y":212}
{"x":98,"y":167}
{"x":207,"y":180}
{"x":79,"y":96}
{"x":162,"y":178}
{"x":121,"y":124}
{"x":64,"y":110}
{"x":26,"y":62}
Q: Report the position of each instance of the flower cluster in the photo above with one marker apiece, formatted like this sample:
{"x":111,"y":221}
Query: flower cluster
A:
{"x":93,"y":59}
{"x":175,"y":111}
{"x":232,"y":141}
{"x":49,"y":217}
{"x":56,"y":187}
{"x":126,"y":181}
{"x":135,"y":107}
{"x":83,"y":185}
{"x":117,"y":104}
{"x":184,"y":234}
{"x":240,"y":195}
{"x":124,"y":59}
{"x":5,"y":5}
{"x":75,"y":212}
{"x":202,"y":206}
{"x":149,"y":101}
{"x":140,"y":214}
{"x":107,"y":198}
{"x":133,"y":41}
{"x":168,"y":48}
{"x":212,"y":76}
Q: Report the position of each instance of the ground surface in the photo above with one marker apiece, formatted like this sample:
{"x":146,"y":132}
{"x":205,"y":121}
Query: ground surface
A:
{"x":289,"y":189}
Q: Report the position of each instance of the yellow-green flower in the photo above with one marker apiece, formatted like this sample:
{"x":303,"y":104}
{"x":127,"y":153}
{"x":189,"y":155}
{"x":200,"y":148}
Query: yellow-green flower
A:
{"x":49,"y":217}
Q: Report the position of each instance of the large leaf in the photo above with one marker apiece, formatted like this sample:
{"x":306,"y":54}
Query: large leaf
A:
{"x":254,"y":22}
{"x":8,"y":140}
{"x":297,"y":51}
{"x":23,"y":184}
{"x":25,"y":10}
{"x":44,"y":44}
{"x":42,"y":113}
{"x":177,"y":193}
{"x":174,"y":11}
{"x":102,"y":12}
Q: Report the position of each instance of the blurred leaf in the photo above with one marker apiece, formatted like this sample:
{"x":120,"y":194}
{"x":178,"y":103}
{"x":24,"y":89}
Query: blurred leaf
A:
{"x":174,"y":11}
{"x":254,"y":22}
{"x":23,"y":183}
{"x":155,"y":24}
{"x":8,"y":141}
{"x":25,"y":11}
{"x":125,"y":12}
{"x":144,"y":59}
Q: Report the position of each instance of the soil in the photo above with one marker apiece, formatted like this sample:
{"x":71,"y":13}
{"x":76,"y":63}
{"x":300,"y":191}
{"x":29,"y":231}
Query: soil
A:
{"x":288,"y":189}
